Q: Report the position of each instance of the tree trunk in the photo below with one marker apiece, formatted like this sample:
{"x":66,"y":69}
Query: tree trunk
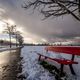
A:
{"x":10,"y":40}
{"x":16,"y":40}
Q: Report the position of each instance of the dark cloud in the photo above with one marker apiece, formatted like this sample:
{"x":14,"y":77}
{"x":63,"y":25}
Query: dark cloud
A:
{"x":61,"y":28}
{"x":8,"y":2}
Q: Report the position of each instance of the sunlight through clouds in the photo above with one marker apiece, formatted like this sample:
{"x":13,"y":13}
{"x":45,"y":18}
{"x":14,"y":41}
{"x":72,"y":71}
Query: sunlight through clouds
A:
{"x":3,"y":24}
{"x":1,"y":11}
{"x":2,"y":27}
{"x":31,"y":26}
{"x":11,"y":22}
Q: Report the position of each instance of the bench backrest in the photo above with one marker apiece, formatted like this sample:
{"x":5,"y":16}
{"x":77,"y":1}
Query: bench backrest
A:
{"x":75,"y":50}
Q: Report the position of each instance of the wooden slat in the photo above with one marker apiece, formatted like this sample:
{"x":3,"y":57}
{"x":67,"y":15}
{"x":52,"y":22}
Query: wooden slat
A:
{"x":64,"y":49}
{"x":61,"y":61}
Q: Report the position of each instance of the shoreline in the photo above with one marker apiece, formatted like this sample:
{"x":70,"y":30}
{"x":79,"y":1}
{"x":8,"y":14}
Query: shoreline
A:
{"x":10,"y":65}
{"x":6,"y":49}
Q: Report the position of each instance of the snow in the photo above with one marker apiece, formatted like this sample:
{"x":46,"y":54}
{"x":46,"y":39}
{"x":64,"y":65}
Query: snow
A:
{"x":34,"y":71}
{"x":31,"y":66}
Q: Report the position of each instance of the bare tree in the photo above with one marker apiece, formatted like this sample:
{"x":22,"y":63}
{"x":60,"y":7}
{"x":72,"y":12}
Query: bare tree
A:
{"x":17,"y":33}
{"x":18,"y":37}
{"x":9,"y":30}
{"x":55,"y":7}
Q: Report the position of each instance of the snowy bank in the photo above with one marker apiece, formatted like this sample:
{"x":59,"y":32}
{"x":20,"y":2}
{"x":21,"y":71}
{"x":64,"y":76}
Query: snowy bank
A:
{"x":31,"y":67}
{"x":34,"y":71}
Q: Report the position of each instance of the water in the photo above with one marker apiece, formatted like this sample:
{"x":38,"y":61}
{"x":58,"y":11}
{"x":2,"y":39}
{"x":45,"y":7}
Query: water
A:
{"x":9,"y":64}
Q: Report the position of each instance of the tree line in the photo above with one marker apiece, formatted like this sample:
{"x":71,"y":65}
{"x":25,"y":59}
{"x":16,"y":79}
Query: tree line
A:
{"x":13,"y":33}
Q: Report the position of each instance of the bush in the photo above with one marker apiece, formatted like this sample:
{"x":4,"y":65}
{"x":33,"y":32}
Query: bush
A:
{"x":54,"y":71}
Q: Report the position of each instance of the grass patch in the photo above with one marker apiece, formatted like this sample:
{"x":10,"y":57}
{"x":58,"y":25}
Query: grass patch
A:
{"x":53,"y":70}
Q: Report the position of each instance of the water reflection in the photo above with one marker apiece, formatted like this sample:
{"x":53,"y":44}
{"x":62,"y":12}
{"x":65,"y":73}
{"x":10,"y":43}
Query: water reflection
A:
{"x":8,"y":64}
{"x":5,"y":56}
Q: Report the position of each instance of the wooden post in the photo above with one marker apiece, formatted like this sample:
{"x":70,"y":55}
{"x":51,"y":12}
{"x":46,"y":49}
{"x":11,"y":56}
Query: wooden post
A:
{"x":71,"y":67}
{"x":73,"y":57}
{"x":72,"y":70}
{"x":61,"y":68}
{"x":45,"y":57}
{"x":39,"y":57}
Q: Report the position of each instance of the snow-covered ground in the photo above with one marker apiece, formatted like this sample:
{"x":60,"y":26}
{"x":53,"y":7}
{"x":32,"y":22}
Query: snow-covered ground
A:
{"x":34,"y":71}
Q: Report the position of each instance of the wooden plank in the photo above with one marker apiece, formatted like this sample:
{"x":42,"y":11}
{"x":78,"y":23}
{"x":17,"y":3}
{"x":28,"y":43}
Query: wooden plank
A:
{"x":64,"y":49}
{"x":61,"y":61}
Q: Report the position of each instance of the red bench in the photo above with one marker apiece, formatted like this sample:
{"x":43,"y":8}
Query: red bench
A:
{"x":66,"y":50}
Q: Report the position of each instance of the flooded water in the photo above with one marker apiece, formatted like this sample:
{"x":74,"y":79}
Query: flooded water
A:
{"x":9,"y":64}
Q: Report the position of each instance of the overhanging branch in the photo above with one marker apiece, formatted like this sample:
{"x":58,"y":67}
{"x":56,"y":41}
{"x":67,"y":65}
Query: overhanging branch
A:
{"x":55,"y":7}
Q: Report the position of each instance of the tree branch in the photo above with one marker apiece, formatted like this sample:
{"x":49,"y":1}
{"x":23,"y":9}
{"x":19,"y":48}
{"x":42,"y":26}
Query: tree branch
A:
{"x":55,"y":7}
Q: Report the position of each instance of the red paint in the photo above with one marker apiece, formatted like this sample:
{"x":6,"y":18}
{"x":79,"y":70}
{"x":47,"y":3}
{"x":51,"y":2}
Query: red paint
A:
{"x":61,"y":61}
{"x":64,"y":49}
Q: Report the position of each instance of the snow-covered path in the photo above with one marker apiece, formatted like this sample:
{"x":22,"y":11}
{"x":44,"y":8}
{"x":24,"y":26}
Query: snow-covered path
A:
{"x":34,"y":71}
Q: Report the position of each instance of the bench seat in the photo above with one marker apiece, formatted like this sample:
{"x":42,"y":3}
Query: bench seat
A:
{"x":72,"y":50}
{"x":61,"y":61}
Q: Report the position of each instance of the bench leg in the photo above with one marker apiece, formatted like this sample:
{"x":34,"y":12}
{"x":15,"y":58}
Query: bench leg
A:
{"x":61,"y":68}
{"x":39,"y":57}
{"x":45,"y":57}
{"x":72,"y":70}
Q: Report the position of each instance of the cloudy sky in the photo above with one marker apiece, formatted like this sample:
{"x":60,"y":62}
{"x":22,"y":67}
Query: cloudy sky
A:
{"x":34,"y":29}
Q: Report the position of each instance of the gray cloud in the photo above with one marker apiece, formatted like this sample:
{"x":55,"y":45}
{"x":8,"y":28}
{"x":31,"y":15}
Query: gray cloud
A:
{"x":61,"y":28}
